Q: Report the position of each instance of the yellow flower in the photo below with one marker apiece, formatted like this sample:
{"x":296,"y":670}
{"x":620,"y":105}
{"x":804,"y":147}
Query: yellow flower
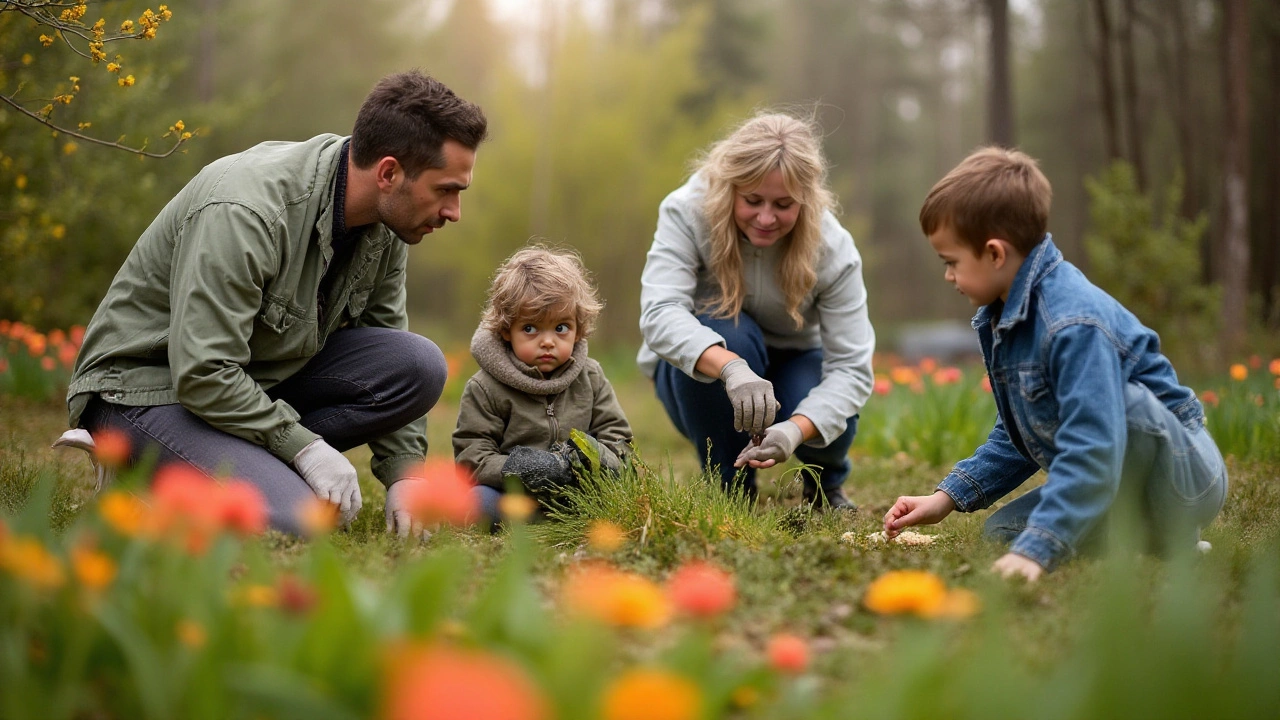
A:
{"x":27,"y":58}
{"x":651,"y":694}
{"x":957,"y":604}
{"x":615,"y":597}
{"x":58,"y":231}
{"x":123,"y":511}
{"x":258,"y":596}
{"x":191,"y":634}
{"x":20,"y":182}
{"x":93,"y":569}
{"x":149,"y":33}
{"x":69,"y":148}
{"x":113,"y":67}
{"x":605,"y":536}
{"x":27,"y":559}
{"x":516,"y":507}
{"x":126,"y":81}
{"x":179,"y":126}
{"x":126,"y":26}
{"x":165,"y":14}
{"x":186,"y":136}
{"x":1239,"y":372}
{"x":46,"y":40}
{"x":905,"y":591}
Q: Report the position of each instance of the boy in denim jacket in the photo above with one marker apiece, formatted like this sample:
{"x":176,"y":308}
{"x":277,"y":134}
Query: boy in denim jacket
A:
{"x":1081,"y":387}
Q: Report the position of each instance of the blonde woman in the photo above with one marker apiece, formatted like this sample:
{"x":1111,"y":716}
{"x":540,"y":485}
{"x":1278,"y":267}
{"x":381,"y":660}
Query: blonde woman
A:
{"x":754,"y":313}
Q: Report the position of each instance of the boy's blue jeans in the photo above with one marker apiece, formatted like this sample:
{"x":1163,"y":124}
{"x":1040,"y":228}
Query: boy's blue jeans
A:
{"x":1176,"y":474}
{"x":702,"y":412}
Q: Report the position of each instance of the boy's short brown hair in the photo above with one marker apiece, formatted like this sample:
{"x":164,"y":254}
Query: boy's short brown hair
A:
{"x":537,"y":282}
{"x":994,"y":193}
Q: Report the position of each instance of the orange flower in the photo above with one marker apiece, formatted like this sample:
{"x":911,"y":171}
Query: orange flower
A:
{"x":67,"y":355}
{"x":1239,"y":372}
{"x":957,"y":604}
{"x":446,"y":683}
{"x":903,"y":375}
{"x":94,"y":570}
{"x":4,"y":327}
{"x":4,"y":364}
{"x":516,"y":507}
{"x":57,"y":337}
{"x":1209,"y":397}
{"x":701,"y":590}
{"x":605,"y":536}
{"x":48,"y":364}
{"x":905,"y":591}
{"x":615,"y":597}
{"x":1274,"y":366}
{"x":928,"y":365}
{"x":191,"y":634}
{"x":27,"y":559}
{"x":256,"y":595}
{"x":241,"y":507}
{"x":111,"y":447}
{"x":36,"y":344}
{"x":77,"y":335}
{"x":1255,"y":362}
{"x":317,"y":517}
{"x":882,"y":385}
{"x":947,"y":376}
{"x":651,"y":694}
{"x":442,"y":492}
{"x":986,"y":383}
{"x":123,"y":511}
{"x":186,"y":506}
{"x":788,"y":653}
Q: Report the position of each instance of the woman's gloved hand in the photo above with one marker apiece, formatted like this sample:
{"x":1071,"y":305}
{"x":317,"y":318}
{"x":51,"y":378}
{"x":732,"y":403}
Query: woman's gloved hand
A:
{"x":778,"y":444}
{"x":754,"y":406}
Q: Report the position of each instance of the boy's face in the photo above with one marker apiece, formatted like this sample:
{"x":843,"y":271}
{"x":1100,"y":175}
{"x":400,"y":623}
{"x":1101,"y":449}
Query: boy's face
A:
{"x":983,"y":277}
{"x":545,"y":344}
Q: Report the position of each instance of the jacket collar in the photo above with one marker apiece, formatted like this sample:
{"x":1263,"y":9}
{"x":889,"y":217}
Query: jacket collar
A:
{"x":495,"y":357}
{"x":1042,"y":260}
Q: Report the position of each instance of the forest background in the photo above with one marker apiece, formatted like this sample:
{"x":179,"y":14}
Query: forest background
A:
{"x":1141,"y":113}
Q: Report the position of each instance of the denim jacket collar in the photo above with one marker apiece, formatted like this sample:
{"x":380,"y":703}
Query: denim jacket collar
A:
{"x":1043,"y":259}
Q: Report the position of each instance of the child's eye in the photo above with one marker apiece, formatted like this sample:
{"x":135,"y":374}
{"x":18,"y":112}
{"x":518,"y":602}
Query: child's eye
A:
{"x":529,"y":329}
{"x":563,"y":328}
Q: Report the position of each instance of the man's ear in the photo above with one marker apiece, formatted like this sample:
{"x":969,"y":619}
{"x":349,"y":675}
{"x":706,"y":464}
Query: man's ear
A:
{"x":386,"y":171}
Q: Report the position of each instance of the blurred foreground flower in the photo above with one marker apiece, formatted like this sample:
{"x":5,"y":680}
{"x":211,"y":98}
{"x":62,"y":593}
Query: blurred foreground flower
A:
{"x":788,"y":653}
{"x":27,"y":559}
{"x":93,"y":570}
{"x":920,"y":593}
{"x":1239,"y":372}
{"x":123,"y":511}
{"x":111,"y":447}
{"x":615,"y":597}
{"x":701,"y":589}
{"x":516,"y":507}
{"x":442,"y":492}
{"x":317,"y":517}
{"x":446,"y":683}
{"x":194,"y":508}
{"x":605,"y":536}
{"x":652,"y":694}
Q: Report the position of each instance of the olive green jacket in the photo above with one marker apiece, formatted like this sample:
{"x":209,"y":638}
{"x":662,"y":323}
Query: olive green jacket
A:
{"x":508,"y":403}
{"x":217,"y":301}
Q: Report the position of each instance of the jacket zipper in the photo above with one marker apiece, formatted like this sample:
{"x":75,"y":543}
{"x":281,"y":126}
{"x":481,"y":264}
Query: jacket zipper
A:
{"x":551,"y":418}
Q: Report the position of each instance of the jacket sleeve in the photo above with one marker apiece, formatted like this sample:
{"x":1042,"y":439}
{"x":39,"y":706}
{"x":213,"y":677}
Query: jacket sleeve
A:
{"x":1084,"y":476}
{"x":848,"y":340}
{"x":386,"y":308}
{"x":609,"y":424}
{"x":223,"y":258}
{"x":667,"y":288}
{"x":992,"y":472}
{"x":477,"y":439}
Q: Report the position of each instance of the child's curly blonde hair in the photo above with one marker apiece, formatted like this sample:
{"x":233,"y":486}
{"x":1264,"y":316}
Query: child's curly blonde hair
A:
{"x":538,"y":282}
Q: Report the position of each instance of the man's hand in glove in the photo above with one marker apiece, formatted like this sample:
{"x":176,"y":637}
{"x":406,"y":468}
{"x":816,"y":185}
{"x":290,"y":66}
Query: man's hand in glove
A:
{"x":751,"y":395}
{"x":779,"y":442}
{"x":331,"y":476}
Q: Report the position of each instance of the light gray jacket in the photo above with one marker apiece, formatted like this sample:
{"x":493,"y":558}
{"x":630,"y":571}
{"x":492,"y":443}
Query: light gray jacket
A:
{"x":677,"y":280}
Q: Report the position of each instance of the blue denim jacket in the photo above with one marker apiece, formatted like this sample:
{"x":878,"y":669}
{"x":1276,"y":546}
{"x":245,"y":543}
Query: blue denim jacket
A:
{"x":1059,"y":352}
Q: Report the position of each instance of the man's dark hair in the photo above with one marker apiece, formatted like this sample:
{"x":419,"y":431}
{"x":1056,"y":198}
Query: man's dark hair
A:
{"x":408,"y":116}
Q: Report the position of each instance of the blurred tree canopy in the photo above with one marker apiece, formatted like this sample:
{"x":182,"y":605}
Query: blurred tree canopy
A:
{"x":597,"y":106}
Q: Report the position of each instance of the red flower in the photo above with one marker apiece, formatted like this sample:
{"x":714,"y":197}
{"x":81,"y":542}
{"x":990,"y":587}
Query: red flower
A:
{"x":111,"y":447}
{"x":447,"y":683}
{"x":295,"y":596}
{"x":788,"y":654}
{"x":185,"y":506}
{"x":701,"y":589}
{"x":242,"y":508}
{"x":441,"y":491}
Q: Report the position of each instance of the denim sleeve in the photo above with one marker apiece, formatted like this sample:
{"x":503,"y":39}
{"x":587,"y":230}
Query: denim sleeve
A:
{"x":989,"y":474}
{"x":1084,"y":375}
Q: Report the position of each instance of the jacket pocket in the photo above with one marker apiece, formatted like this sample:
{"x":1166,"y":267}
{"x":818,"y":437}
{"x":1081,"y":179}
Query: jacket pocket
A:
{"x":282,"y":331}
{"x":358,"y":301}
{"x":1039,"y":406}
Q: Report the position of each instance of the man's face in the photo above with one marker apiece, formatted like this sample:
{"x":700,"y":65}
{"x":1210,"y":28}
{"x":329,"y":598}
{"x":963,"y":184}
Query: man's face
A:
{"x":415,"y":208}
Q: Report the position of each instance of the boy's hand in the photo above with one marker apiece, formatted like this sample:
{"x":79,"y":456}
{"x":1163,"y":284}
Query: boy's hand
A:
{"x":1014,"y":565}
{"x":917,"y":510}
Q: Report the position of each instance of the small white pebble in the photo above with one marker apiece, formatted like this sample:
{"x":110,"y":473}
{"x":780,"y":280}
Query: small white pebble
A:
{"x":906,"y":537}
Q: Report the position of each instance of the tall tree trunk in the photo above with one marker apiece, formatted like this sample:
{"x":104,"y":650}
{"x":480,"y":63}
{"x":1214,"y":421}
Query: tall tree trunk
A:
{"x":1235,"y":239}
{"x":1129,"y":74}
{"x":1184,"y":110}
{"x":206,"y":66}
{"x":1269,"y":263}
{"x":1106,"y":84}
{"x":1000,"y":97}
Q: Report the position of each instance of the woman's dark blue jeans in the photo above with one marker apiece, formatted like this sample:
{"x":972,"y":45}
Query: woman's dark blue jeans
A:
{"x":702,"y":412}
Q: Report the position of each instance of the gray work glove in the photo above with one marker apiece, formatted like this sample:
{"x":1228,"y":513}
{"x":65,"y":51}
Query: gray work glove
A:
{"x":779,"y":442}
{"x":751,"y":395}
{"x":542,"y":472}
{"x":331,"y":476}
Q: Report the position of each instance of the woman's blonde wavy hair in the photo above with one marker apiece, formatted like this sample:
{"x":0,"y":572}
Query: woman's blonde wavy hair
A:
{"x":766,"y":142}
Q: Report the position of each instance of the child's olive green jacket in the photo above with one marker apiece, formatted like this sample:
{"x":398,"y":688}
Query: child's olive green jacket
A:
{"x":508,"y":403}
{"x":218,"y":300}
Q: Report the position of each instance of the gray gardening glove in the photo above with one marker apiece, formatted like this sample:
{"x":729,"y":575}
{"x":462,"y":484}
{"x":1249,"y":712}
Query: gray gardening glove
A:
{"x":752,"y":396}
{"x":779,"y":442}
{"x":543,"y":472}
{"x":331,"y":476}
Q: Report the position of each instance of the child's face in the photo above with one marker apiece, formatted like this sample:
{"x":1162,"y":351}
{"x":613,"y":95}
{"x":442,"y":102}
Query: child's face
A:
{"x":765,"y":214}
{"x":545,"y":344}
{"x":983,"y":277}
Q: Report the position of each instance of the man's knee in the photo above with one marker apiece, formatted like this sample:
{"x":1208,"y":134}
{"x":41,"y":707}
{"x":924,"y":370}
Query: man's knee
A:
{"x":422,"y":369}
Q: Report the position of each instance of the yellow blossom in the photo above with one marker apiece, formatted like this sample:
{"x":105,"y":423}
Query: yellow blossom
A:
{"x":58,"y":231}
{"x":605,"y":536}
{"x":93,"y":569}
{"x":651,"y":694}
{"x":186,"y":136}
{"x":126,"y":81}
{"x":27,"y":58}
{"x":258,"y":596}
{"x":123,"y":511}
{"x":26,"y":558}
{"x":20,"y":182}
{"x":1239,"y":372}
{"x":905,"y":591}
{"x":46,"y":110}
{"x":957,"y":604}
{"x":113,"y":67}
{"x":96,"y":53}
{"x":46,"y":40}
{"x":69,"y":148}
{"x":615,"y":597}
{"x":64,"y":99}
{"x":179,"y":126}
{"x":165,"y":14}
{"x":149,"y":33}
{"x":99,"y":29}
{"x":83,"y":125}
{"x":126,"y":26}
{"x":191,"y":634}
{"x":516,"y":507}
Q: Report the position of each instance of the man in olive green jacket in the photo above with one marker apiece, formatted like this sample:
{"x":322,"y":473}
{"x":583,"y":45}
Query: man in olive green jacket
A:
{"x":258,"y":327}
